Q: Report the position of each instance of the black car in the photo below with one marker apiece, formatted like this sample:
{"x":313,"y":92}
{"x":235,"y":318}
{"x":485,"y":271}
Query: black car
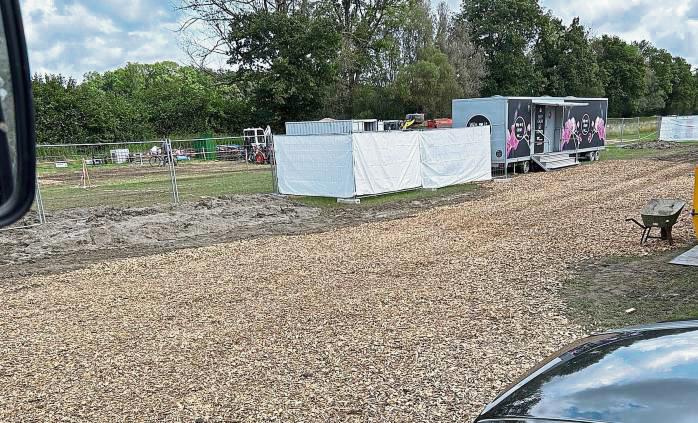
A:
{"x":640,"y":374}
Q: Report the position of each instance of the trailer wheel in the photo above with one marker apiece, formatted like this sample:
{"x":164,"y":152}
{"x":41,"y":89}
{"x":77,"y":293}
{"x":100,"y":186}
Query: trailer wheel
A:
{"x":525,"y":167}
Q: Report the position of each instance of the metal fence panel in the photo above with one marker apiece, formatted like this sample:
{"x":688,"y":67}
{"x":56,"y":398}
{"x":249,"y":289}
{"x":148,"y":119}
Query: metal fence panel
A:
{"x":632,"y":129}
{"x":145,"y":173}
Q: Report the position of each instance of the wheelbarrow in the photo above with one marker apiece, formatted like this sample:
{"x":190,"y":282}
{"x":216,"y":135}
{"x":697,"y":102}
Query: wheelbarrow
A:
{"x":661,"y":214}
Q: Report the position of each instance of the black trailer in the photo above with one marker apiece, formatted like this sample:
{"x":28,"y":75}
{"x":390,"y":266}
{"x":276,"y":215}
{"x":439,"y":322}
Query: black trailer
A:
{"x":553,"y":132}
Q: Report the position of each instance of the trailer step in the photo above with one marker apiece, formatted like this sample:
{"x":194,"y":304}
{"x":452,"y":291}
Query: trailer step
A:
{"x":552,"y":161}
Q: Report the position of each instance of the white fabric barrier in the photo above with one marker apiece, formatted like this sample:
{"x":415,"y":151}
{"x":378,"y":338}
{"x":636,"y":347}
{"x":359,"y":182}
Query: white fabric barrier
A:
{"x":455,"y":156}
{"x":386,"y":162}
{"x":679,"y":128}
{"x":372,"y":163}
{"x":318,"y":165}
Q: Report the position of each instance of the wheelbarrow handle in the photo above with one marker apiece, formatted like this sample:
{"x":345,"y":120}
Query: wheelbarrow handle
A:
{"x":636,"y":222}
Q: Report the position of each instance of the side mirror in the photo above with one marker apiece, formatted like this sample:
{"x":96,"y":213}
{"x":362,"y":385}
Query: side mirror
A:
{"x":17,"y":137}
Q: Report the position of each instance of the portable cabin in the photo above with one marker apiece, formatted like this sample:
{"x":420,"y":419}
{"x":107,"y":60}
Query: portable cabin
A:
{"x":553,"y":132}
{"x":331,"y":126}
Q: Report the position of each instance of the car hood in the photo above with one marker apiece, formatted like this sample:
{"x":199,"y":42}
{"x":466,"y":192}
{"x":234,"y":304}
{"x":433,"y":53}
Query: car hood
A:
{"x":638,"y":375}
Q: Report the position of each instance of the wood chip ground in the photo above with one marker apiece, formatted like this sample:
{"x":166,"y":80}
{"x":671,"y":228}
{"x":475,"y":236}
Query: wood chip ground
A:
{"x":419,"y":319}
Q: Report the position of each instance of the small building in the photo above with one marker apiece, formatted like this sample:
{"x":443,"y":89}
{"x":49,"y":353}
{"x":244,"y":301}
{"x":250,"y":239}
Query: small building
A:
{"x":553,"y":132}
{"x":331,"y":126}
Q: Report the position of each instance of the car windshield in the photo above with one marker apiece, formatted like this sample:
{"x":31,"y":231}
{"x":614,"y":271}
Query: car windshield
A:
{"x":323,"y":210}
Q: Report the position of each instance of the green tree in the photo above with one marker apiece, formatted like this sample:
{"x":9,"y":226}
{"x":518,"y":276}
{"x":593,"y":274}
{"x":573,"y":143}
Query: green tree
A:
{"x":695,"y":100}
{"x":286,"y":62}
{"x":622,"y":74}
{"x":374,"y":101}
{"x":684,"y":89}
{"x":566,"y":61}
{"x":467,"y":59}
{"x":429,"y":84}
{"x":137,"y":102}
{"x":505,"y":30}
{"x":58,"y":113}
{"x":659,"y":75}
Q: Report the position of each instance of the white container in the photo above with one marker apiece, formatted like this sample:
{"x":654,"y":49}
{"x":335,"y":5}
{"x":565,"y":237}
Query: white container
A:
{"x":331,"y":127}
{"x":119,"y":155}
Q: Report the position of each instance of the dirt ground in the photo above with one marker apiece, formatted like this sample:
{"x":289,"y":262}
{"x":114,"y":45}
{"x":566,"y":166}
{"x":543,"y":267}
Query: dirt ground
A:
{"x":423,"y":315}
{"x":600,"y":291}
{"x":74,"y":238}
{"x":652,"y":145}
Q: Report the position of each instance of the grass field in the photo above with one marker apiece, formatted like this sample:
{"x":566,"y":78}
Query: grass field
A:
{"x":615,"y":152}
{"x":601,"y":292}
{"x":644,"y":128}
{"x":414,"y":195}
{"x":138,"y":186}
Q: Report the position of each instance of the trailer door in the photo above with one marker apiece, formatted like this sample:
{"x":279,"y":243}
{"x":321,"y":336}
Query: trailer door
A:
{"x":540,"y":122}
{"x":550,"y":144}
{"x":544,"y":140}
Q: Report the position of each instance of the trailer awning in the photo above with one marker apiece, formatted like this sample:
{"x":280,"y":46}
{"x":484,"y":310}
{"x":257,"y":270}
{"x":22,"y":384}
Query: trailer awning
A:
{"x":557,"y":102}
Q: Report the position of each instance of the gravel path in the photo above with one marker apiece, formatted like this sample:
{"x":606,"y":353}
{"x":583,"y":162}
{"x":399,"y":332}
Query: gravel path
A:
{"x":416,"y":319}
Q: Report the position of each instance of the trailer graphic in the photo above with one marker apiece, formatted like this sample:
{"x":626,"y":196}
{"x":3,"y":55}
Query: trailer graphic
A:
{"x":552,"y":132}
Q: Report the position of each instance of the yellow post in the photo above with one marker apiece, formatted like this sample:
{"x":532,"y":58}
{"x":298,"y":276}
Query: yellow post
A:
{"x":695,"y":202}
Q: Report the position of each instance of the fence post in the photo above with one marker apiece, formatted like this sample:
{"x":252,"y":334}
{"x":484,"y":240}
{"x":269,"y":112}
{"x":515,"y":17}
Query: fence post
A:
{"x":622,"y":127}
{"x":506,"y":165}
{"x":39,"y":202}
{"x":272,"y":160}
{"x":173,"y":172}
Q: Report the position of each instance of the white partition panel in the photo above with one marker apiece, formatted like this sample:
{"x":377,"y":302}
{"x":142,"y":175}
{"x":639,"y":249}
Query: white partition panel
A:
{"x":679,"y":128}
{"x":318,"y":165}
{"x":455,"y":156}
{"x":386,"y":162}
{"x":373,"y":163}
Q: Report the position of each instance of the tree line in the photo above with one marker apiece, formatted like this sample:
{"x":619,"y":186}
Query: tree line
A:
{"x":308,"y":59}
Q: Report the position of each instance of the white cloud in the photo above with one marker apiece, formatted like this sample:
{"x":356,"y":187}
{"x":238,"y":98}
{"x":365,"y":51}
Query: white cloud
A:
{"x":73,"y":37}
{"x":671,"y":25}
{"x":76,"y":36}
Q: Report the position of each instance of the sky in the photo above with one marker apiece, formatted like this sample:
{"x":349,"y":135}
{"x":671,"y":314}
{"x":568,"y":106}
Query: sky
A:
{"x":73,"y":37}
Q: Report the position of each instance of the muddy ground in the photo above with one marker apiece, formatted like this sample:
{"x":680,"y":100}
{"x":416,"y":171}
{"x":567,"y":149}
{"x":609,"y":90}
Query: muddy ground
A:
{"x":600,"y":291}
{"x":74,"y":238}
{"x":652,"y":145}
